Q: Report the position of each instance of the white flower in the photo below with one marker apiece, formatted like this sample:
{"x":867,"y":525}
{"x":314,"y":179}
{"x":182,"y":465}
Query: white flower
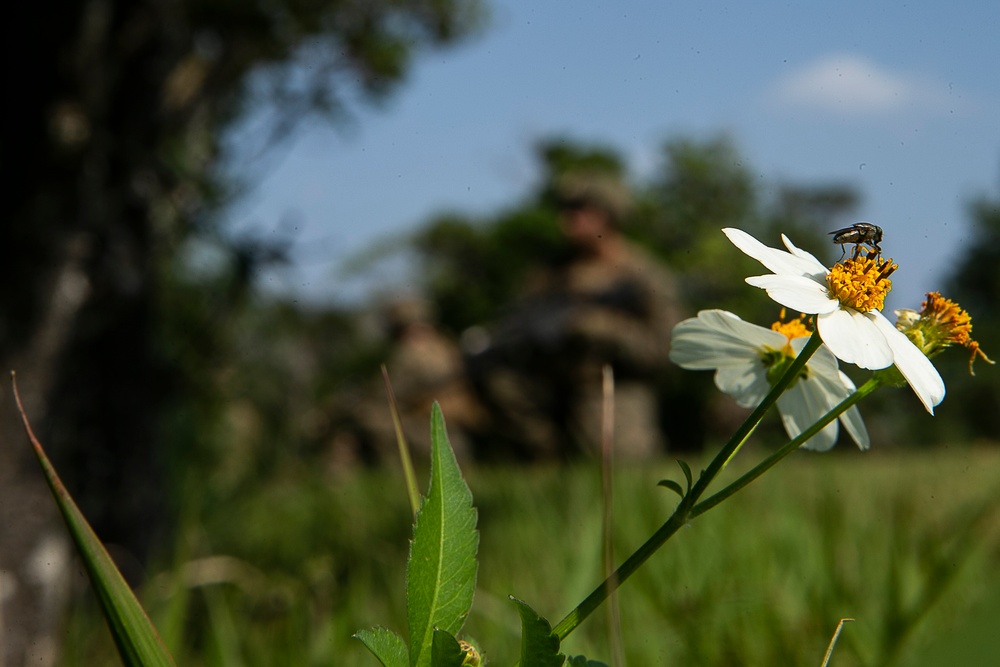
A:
{"x":847,"y":301}
{"x":744,"y":355}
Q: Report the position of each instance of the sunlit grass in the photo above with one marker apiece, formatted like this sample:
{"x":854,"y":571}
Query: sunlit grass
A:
{"x":907,"y":543}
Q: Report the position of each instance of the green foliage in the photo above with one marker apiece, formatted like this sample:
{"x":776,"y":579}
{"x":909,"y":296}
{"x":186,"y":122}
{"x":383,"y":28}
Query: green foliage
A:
{"x":441,"y":570}
{"x":539,"y":645}
{"x":581,"y":661}
{"x":759,"y":581}
{"x":137,"y":641}
{"x":386,"y":645}
{"x":474,"y":269}
{"x":674,"y":486}
{"x":974,"y":283}
{"x":118,"y":185}
{"x":446,"y":651}
{"x":700,"y":186}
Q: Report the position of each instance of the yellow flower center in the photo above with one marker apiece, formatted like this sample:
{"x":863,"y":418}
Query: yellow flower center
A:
{"x":861,"y":282}
{"x":791,"y":329}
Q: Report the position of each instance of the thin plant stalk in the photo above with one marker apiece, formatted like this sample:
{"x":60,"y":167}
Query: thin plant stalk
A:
{"x":833,"y":641}
{"x":607,"y":492}
{"x":681,"y":513}
{"x":792,"y":445}
{"x":412,"y":488}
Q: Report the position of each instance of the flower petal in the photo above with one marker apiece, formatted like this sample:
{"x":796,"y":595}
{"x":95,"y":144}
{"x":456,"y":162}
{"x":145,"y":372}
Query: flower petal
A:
{"x":823,"y":360}
{"x":837,"y":387}
{"x":697,"y":347}
{"x":855,"y":427}
{"x":727,"y":323}
{"x":819,"y":268}
{"x":796,"y":292}
{"x":913,"y":365}
{"x":853,"y":337}
{"x":719,"y":338}
{"x":800,"y":407}
{"x":747,"y":383}
{"x":778,"y":261}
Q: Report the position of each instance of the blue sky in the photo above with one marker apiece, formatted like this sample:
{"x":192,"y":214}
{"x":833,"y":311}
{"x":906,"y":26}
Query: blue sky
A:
{"x":901,"y":101}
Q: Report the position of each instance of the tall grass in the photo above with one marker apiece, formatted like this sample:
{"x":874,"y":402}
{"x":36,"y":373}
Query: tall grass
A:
{"x":907,"y":543}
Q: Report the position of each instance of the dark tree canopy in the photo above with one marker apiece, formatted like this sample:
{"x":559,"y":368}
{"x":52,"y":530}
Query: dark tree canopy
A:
{"x":975,"y":284}
{"x":120,"y":107}
{"x":111,"y":140}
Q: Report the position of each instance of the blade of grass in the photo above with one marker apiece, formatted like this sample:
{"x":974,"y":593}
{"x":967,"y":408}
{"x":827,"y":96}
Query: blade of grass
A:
{"x":833,"y":641}
{"x":137,"y":640}
{"x":412,"y":489}
{"x":607,"y":470}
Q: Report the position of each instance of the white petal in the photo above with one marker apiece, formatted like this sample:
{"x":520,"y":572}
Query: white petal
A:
{"x":746,"y":383}
{"x":918,"y":370}
{"x":838,"y":387}
{"x":855,"y":426}
{"x":726,"y":322}
{"x":823,"y":360}
{"x":719,"y":339}
{"x":819,"y":269}
{"x":854,"y":338}
{"x":796,"y":292}
{"x":800,"y":407}
{"x":716,"y":338}
{"x":778,"y":261}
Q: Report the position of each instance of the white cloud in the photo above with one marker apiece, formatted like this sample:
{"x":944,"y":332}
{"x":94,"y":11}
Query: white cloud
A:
{"x":846,"y":84}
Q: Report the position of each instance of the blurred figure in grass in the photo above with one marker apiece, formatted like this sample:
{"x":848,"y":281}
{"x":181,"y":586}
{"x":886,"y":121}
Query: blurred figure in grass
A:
{"x":606,"y":302}
{"x":424,"y":366}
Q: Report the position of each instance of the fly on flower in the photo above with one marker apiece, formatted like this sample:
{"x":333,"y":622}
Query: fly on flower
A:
{"x":860,"y":233}
{"x":748,"y":359}
{"x":847,"y":301}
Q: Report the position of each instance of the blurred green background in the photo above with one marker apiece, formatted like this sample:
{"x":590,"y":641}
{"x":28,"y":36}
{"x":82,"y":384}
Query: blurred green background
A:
{"x":197,"y":420}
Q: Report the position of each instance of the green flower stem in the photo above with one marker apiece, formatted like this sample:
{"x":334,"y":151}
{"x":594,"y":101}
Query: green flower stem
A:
{"x":868,"y":387}
{"x":682,"y":513}
{"x":743,"y":432}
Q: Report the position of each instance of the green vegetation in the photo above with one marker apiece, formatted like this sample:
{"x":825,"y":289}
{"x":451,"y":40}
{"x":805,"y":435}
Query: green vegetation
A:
{"x":907,"y":543}
{"x":197,"y":422}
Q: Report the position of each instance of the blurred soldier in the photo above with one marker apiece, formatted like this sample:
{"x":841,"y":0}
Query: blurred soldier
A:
{"x":424,"y":366}
{"x":608,"y":302}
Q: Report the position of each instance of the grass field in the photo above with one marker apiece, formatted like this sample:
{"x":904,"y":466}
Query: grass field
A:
{"x":906,"y":543}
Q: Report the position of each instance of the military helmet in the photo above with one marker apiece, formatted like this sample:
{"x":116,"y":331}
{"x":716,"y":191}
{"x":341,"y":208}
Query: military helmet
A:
{"x":405,"y":311}
{"x":589,"y":188}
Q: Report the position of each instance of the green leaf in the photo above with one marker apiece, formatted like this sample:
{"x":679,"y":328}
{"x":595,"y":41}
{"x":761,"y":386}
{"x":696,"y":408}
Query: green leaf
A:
{"x":446,"y":651}
{"x":539,"y":645}
{"x":138,"y":643}
{"x":386,"y":645}
{"x":672,"y":485}
{"x":441,"y":571}
{"x":581,"y":661}
{"x":686,"y":469}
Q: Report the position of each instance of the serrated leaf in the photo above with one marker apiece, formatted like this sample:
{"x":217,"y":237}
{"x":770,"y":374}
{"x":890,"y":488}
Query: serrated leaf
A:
{"x":445,"y":650}
{"x":137,"y":641}
{"x":686,"y":469}
{"x":539,"y":645}
{"x":672,"y":485}
{"x":441,"y":570}
{"x":386,"y":645}
{"x":582,"y":661}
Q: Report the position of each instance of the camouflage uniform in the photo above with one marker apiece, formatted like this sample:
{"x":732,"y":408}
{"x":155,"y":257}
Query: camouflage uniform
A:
{"x":545,"y":382}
